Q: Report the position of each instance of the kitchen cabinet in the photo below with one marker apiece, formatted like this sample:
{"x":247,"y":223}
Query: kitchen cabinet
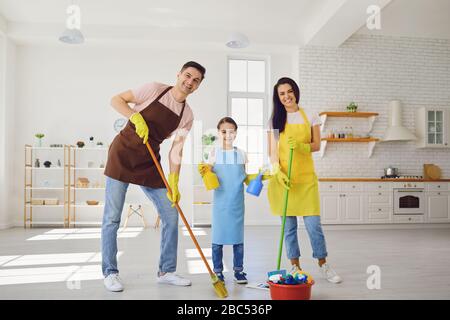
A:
{"x":433,"y":127}
{"x":341,"y":203}
{"x":330,"y":208}
{"x":373,"y":202}
{"x":438,"y":206}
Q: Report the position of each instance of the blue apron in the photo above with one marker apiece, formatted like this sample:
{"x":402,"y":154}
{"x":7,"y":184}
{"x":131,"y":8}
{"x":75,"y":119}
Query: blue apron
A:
{"x":228,"y":207}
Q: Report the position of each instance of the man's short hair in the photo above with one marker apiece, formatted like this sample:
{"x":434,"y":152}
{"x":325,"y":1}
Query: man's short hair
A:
{"x":193,"y":64}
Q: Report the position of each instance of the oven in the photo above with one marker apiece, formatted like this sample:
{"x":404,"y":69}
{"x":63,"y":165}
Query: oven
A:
{"x":409,"y":201}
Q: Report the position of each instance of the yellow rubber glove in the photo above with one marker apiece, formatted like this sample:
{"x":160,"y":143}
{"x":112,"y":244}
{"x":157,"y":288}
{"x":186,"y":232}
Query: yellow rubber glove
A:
{"x":251,"y":176}
{"x":204,"y":168}
{"x":174,"y":197}
{"x":141,"y":126}
{"x":302,"y":147}
{"x":280,"y":175}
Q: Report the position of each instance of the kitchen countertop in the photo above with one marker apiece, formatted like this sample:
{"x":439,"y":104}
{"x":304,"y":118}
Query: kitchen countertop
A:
{"x":378,"y":180}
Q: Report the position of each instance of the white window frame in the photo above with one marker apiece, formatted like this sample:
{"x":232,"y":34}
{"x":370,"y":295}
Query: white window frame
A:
{"x":252,"y":95}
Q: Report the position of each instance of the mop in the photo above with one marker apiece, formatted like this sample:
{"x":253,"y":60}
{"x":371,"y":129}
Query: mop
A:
{"x":264,"y":285}
{"x":219,"y":286}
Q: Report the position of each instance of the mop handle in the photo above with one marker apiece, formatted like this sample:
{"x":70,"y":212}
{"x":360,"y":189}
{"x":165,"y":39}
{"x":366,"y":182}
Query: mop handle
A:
{"x":286,"y":192}
{"x":161,"y":173}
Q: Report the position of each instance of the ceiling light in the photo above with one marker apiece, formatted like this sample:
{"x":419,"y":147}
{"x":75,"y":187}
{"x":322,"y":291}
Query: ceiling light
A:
{"x":72,"y":36}
{"x":237,"y":41}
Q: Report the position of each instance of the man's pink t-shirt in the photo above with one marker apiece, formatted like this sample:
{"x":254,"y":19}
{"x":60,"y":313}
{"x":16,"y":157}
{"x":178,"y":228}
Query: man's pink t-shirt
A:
{"x":147,"y":93}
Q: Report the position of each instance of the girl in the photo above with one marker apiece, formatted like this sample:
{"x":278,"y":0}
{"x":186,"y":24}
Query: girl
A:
{"x":228,"y":163}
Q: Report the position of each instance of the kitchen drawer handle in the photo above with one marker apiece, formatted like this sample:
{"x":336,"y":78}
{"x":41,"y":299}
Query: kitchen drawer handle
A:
{"x":379,"y":209}
{"x":438,"y":186}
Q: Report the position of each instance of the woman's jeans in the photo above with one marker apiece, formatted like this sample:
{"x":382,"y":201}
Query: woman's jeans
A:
{"x":114,"y":202}
{"x":238,"y":257}
{"x":316,"y":237}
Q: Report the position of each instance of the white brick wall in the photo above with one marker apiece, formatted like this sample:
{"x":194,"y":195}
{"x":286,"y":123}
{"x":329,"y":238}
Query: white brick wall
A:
{"x":373,"y":70}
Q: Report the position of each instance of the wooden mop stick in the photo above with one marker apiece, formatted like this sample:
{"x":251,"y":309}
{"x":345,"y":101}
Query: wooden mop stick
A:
{"x":161,"y":173}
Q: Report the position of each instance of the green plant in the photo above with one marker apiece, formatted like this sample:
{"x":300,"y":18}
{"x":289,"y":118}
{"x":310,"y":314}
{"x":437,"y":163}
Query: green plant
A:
{"x":39,"y":135}
{"x":208,"y":139}
{"x":352,"y":107}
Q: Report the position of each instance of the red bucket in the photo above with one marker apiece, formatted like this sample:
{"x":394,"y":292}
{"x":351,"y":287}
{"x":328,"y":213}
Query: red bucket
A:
{"x":290,"y":292}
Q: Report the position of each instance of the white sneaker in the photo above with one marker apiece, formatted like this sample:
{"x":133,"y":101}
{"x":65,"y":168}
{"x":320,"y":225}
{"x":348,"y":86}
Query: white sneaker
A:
{"x":113,"y":283}
{"x":174,"y":279}
{"x":329,"y":273}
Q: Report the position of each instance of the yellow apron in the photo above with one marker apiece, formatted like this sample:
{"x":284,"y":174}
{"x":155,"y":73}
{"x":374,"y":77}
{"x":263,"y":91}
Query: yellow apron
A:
{"x":304,"y":187}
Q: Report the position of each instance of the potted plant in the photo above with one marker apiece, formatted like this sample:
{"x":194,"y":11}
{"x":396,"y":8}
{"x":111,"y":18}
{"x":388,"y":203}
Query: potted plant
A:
{"x":207,"y":141}
{"x":352,"y":107}
{"x":39,"y":136}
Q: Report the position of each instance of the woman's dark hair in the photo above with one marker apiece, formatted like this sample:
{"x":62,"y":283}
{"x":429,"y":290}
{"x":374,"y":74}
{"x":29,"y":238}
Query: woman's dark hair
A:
{"x":227,"y":120}
{"x":279,"y":113}
{"x":195,"y":65}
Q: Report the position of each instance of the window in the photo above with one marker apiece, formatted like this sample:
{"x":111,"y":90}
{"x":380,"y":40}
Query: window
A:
{"x":247,"y":105}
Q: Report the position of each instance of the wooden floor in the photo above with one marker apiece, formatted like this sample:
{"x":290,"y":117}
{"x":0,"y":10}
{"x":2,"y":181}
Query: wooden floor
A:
{"x":65,"y":264}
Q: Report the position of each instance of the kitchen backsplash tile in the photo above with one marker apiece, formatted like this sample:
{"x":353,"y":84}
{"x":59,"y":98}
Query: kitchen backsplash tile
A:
{"x":371,"y":71}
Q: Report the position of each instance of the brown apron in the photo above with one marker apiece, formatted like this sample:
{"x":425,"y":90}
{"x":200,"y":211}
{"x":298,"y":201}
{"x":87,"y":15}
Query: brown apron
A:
{"x":128,"y":158}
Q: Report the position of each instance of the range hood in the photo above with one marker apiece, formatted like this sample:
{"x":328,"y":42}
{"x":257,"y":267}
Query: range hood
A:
{"x":396,"y":131}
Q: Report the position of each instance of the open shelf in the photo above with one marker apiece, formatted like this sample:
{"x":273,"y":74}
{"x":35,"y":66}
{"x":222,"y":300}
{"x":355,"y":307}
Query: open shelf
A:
{"x":370,"y":116}
{"x":348,"y":114}
{"x":351,"y":139}
{"x":371,"y":143}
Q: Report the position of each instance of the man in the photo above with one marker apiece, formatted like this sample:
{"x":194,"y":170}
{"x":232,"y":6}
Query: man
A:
{"x":159,"y":112}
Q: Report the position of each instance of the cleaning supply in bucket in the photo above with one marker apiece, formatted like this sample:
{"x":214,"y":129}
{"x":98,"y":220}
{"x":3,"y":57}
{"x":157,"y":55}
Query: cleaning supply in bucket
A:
{"x":295,"y":286}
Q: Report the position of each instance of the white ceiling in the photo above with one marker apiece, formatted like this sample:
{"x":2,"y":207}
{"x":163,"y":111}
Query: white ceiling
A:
{"x":415,"y":18}
{"x":290,"y":22}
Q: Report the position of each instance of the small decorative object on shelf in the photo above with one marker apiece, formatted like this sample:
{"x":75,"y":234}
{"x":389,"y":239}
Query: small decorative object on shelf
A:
{"x":99,"y":144}
{"x":352,"y":107}
{"x":102,"y":165}
{"x":47,"y":164}
{"x":39,"y":136}
{"x":82,"y":182}
{"x":91,"y":142}
{"x":92,"y":202}
{"x":56,"y":145}
{"x":80,"y":144}
{"x":207,"y":140}
{"x":59,"y":163}
{"x":37,"y":164}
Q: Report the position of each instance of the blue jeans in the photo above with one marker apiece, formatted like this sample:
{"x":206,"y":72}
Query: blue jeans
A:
{"x":316,"y":237}
{"x":238,"y":257}
{"x":114,"y":202}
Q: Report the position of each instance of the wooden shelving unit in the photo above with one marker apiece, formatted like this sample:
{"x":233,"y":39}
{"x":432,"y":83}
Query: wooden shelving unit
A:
{"x":33,"y":188}
{"x":370,"y":116}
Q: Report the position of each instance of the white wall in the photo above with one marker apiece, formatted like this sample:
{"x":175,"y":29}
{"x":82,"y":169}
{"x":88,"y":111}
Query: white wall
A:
{"x":64,"y":92}
{"x":7,"y":82}
{"x":372,"y":70}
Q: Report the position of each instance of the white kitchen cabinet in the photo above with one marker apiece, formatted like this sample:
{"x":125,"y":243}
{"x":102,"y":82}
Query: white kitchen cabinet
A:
{"x":379,"y":204}
{"x":433,"y":127}
{"x":330,"y":208}
{"x":351,"y":208}
{"x":341,"y":203}
{"x":438,"y":206}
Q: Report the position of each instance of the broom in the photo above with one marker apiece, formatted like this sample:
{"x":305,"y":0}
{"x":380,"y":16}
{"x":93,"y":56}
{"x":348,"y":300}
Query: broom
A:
{"x":219,"y":286}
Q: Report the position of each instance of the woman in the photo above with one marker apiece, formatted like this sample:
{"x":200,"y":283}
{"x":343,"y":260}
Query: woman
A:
{"x":291,"y":129}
